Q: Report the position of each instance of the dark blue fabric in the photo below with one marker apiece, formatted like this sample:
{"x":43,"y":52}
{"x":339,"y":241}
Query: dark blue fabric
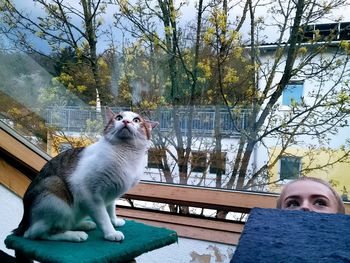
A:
{"x":276,"y":236}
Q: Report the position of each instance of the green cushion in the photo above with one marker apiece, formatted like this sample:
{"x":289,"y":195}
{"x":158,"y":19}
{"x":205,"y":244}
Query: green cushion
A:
{"x":139,"y":238}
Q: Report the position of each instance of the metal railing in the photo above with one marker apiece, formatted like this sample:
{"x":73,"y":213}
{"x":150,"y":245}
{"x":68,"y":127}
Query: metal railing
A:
{"x":73,"y":119}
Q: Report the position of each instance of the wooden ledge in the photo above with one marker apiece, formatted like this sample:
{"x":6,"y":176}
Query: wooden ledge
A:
{"x":236,"y":201}
{"x":19,"y":150}
{"x":227,"y":232}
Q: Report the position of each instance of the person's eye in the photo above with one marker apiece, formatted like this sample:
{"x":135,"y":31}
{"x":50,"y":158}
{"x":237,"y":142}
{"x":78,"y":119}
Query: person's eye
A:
{"x":119,"y":117}
{"x":320,"y":202}
{"x":292,"y":203}
{"x":137,"y":120}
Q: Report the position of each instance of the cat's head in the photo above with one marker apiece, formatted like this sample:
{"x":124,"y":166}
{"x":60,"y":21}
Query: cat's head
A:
{"x":127,"y":125}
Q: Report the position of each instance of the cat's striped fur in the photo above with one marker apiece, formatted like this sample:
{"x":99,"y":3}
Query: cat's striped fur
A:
{"x":85,"y":182}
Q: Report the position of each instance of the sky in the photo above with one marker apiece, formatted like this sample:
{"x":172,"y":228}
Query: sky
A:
{"x":187,"y":11}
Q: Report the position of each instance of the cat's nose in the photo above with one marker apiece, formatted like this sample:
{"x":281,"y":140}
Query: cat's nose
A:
{"x":126,"y":122}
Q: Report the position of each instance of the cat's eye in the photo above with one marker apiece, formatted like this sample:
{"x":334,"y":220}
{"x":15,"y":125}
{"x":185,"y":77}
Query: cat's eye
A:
{"x":119,"y":117}
{"x":136,"y":120}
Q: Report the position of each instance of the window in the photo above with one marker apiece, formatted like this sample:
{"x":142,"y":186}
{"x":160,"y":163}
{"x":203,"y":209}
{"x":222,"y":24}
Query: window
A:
{"x":293,"y":93}
{"x":327,"y":32}
{"x":218,"y":163}
{"x":155,"y":158}
{"x":290,"y":167}
{"x":344,"y":31}
{"x":199,"y":161}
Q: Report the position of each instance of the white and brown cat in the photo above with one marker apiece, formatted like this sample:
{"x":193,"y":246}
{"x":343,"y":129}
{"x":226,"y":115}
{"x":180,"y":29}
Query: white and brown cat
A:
{"x":85,"y":182}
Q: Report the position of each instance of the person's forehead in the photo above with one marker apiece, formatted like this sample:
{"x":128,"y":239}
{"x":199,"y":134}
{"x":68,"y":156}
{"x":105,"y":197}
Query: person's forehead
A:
{"x":308,"y":188}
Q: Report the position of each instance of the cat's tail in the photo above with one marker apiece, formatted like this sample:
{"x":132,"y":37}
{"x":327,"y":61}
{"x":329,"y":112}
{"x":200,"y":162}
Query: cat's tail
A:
{"x":22,"y":227}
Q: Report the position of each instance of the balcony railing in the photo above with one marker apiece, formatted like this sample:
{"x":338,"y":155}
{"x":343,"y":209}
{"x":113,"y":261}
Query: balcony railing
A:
{"x":72,"y":119}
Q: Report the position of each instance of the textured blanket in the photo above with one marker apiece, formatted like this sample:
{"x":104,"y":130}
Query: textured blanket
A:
{"x":139,"y":238}
{"x":274,"y":235}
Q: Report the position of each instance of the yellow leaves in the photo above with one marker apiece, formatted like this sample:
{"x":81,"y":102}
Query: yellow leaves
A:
{"x":300,"y":30}
{"x":208,"y":35}
{"x":92,"y":102}
{"x":174,"y":14}
{"x":317,"y":35}
{"x":345,"y":45}
{"x":156,"y":39}
{"x":339,"y":62}
{"x":99,"y":21}
{"x":53,"y":7}
{"x":126,"y":95}
{"x":343,"y":97}
{"x":70,"y":86}
{"x":327,"y":7}
{"x":233,"y":35}
{"x":6,"y":6}
{"x":229,"y":103}
{"x":168,"y":30}
{"x":102,"y":63}
{"x":149,"y":105}
{"x":237,"y":52}
{"x":40,"y":34}
{"x":302,"y":51}
{"x":145,"y":65}
{"x":206,"y":68}
{"x":162,"y":101}
{"x":293,"y":103}
{"x":231,"y":76}
{"x":201,"y":79}
{"x":65,"y":78}
{"x":249,"y":68}
{"x":124,"y":8}
{"x":219,"y":18}
{"x":15,"y":111}
{"x":81,"y":88}
{"x":218,"y":30}
{"x":79,"y":52}
{"x":222,"y":21}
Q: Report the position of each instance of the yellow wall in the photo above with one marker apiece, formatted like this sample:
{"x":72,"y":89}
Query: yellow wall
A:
{"x":338,"y":173}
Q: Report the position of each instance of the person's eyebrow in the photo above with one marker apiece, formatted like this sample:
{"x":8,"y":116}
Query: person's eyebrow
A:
{"x":319,"y":195}
{"x":312,"y":196}
{"x":292,"y":197}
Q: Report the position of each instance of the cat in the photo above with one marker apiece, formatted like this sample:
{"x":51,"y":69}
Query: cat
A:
{"x":85,"y":182}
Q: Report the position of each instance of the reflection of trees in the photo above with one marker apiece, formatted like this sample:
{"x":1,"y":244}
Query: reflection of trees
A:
{"x":62,"y":25}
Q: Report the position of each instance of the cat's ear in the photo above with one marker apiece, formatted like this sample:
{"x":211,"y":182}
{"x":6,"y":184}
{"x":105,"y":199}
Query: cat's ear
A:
{"x":152,"y":124}
{"x":148,"y":127}
{"x":109,"y":114}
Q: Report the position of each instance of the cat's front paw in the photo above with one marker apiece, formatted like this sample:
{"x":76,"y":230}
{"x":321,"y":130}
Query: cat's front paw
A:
{"x":116,"y":236}
{"x":79,"y":236}
{"x":86,"y":226}
{"x":118,"y":222}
